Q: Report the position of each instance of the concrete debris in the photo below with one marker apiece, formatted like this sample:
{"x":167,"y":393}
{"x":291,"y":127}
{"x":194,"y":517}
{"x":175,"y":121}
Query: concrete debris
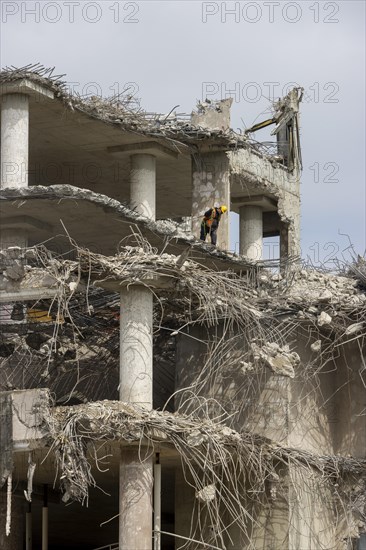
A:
{"x":355,"y":328}
{"x":15,"y":271}
{"x":316,"y":346}
{"x":246,"y":367}
{"x":324,"y":319}
{"x":326,"y":296}
{"x":280,"y":360}
{"x":195,"y":438}
{"x":206,"y":494}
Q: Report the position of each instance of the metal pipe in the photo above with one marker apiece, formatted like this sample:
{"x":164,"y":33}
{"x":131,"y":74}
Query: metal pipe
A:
{"x":28,"y":528}
{"x":45,"y":519}
{"x":157,"y":503}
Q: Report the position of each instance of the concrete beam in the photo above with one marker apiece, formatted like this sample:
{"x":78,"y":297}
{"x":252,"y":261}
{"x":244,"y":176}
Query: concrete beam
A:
{"x":266,"y":203}
{"x":147,"y":147}
{"x":153,"y":281}
{"x":27,"y":295}
{"x":27,"y":87}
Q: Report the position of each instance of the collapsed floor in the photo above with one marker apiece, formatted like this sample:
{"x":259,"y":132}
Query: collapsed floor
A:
{"x":268,"y":359}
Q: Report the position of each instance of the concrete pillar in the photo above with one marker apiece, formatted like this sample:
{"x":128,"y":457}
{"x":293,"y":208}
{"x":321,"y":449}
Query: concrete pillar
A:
{"x":14,"y":140}
{"x":136,"y":376}
{"x":143,"y":184}
{"x":15,"y":540}
{"x":14,"y":156}
{"x":136,"y":483}
{"x":251,"y":232}
{"x":136,"y":353}
{"x":211,"y":187}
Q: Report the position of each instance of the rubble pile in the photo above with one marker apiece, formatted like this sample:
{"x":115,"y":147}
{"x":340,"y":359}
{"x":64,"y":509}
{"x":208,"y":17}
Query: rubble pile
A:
{"x":337,"y":302}
{"x":210,"y":451}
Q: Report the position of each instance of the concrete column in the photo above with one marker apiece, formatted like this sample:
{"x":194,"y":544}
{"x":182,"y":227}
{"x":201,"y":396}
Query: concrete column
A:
{"x":136,"y":483}
{"x":136,"y":353}
{"x":136,"y":372}
{"x":211,"y":187}
{"x":14,"y":140}
{"x":14,"y":156}
{"x":251,"y":232}
{"x":143,"y":184}
{"x":136,"y":376}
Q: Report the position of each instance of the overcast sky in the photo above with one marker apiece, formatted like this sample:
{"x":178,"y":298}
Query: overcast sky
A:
{"x":175,"y":52}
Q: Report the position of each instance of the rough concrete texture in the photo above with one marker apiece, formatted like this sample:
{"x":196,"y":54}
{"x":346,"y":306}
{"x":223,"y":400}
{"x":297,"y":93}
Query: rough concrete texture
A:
{"x":251,"y":174}
{"x":211,"y":187}
{"x":27,"y":411}
{"x":313,"y":521}
{"x":136,"y":353}
{"x":285,"y":368}
{"x":214,"y":115}
{"x":14,"y":140}
{"x":136,"y":482}
{"x":143,"y":185}
{"x":251,"y":232}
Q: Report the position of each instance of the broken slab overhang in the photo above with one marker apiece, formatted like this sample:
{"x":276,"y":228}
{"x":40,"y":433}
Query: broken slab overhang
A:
{"x":75,"y":210}
{"x":124,"y":113}
{"x":23,"y":426}
{"x":266,"y":203}
{"x":25,"y":86}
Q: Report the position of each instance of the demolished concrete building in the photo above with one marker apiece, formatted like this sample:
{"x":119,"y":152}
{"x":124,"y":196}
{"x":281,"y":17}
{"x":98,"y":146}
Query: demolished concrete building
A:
{"x":155,"y":391}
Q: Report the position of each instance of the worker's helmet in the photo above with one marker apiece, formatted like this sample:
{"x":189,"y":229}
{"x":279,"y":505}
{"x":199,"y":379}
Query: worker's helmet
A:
{"x":223,"y":208}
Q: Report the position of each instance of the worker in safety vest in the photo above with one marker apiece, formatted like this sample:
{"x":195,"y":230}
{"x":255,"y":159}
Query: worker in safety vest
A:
{"x":210,"y":223}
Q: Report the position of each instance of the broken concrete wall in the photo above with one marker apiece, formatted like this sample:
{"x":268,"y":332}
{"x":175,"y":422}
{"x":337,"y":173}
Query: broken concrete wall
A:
{"x":350,"y":401}
{"x":211,"y":187}
{"x":313,"y":519}
{"x":214,"y":115}
{"x":26,"y":430}
{"x":312,"y":399}
{"x":254,"y":174}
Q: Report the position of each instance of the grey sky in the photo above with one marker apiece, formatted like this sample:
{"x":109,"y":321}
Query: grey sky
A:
{"x":174,"y":57}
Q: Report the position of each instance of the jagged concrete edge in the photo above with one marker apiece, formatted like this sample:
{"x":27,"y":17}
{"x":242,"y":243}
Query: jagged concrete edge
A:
{"x":60,"y":192}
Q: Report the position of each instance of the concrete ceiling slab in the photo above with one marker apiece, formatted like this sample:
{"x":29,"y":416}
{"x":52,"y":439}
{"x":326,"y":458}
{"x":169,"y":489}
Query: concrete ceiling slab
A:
{"x":101,"y":223}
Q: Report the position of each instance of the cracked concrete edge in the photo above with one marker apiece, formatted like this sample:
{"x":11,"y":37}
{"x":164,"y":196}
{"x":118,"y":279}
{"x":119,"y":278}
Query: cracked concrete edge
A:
{"x":166,"y":229}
